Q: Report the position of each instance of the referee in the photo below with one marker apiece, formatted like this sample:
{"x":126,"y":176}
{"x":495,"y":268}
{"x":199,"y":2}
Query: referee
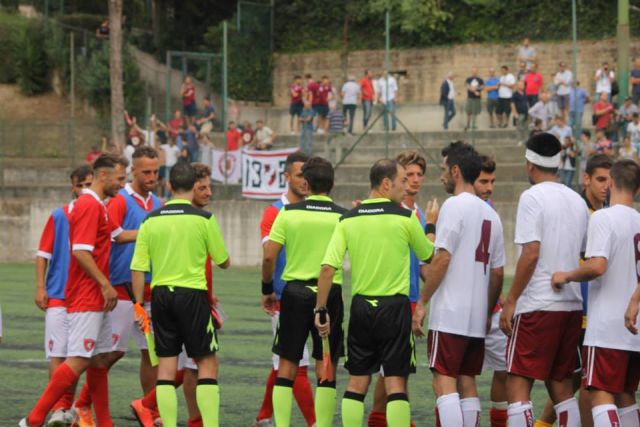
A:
{"x":305,"y":229}
{"x":176,"y":240}
{"x":377,"y":234}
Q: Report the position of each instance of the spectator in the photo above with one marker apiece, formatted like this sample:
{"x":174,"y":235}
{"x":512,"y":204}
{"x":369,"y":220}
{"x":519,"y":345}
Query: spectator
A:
{"x":627,"y":151}
{"x":171,"y":154}
{"x":533,"y":84}
{"x":248,"y":134}
{"x":264,"y":136}
{"x":624,"y":116}
{"x":603,"y":112}
{"x":520,"y":110}
{"x":188,"y":94}
{"x":505,"y":92}
{"x":527,"y":53}
{"x":94,"y":153}
{"x":234,"y":137}
{"x":475,"y":85}
{"x":634,"y":80}
{"x":306,"y":125}
{"x":323,"y":91}
{"x":522,"y":70}
{"x":447,"y":99}
{"x":603,"y":144}
{"x":578,"y":97}
{"x":176,"y":124}
{"x":205,"y":122}
{"x":388,"y":96}
{"x":633,"y":131}
{"x":350,"y":94}
{"x":588,"y":149}
{"x":543,"y":111}
{"x":296,"y":92}
{"x":128,"y":151}
{"x":102,"y":32}
{"x":563,"y":81}
{"x":188,"y":140}
{"x":560,"y":128}
{"x":568,"y":161}
{"x":538,"y":126}
{"x":368,"y":97}
{"x":337,"y":120}
{"x":491,"y":86}
{"x":604,"y":79}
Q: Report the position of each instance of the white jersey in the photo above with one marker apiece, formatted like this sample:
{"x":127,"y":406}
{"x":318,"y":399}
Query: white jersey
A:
{"x":471,"y":231}
{"x":614,"y":234}
{"x":557,"y":217}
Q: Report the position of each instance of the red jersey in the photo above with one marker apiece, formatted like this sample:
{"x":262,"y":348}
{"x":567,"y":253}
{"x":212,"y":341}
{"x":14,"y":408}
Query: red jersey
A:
{"x":296,"y":93}
{"x":91,"y":230}
{"x":532,"y":83}
{"x":189,"y":95}
{"x":323,"y":93}
{"x":312,"y":88}
{"x":92,"y":156}
{"x":175,"y":125}
{"x":366,"y":89}
{"x":603,"y":121}
{"x":234,"y":140}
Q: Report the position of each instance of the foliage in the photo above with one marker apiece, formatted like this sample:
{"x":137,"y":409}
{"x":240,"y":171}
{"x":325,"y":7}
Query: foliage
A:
{"x":57,"y":48}
{"x":10,"y":24}
{"x":82,"y":20}
{"x":30,"y":58}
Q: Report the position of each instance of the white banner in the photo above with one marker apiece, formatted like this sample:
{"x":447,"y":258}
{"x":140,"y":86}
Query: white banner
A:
{"x":222,"y":167}
{"x":263,"y":173}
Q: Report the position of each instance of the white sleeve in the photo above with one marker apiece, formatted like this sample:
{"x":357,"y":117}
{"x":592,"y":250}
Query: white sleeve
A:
{"x":528,"y":220}
{"x":599,"y":236}
{"x":448,"y":228}
{"x":497,"y":252}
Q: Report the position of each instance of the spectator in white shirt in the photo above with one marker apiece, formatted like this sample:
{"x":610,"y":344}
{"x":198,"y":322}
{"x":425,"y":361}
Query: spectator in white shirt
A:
{"x":604,"y":78}
{"x":563,"y":81}
{"x":447,"y":99}
{"x":505,"y":93}
{"x":527,"y":53}
{"x":542,"y":110}
{"x":350,"y":97}
{"x":264,"y":136}
{"x":388,"y":96}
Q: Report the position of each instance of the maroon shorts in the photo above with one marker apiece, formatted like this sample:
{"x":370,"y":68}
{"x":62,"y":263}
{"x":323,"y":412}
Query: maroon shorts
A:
{"x":543,"y":344}
{"x":610,"y":370}
{"x":453,"y":355}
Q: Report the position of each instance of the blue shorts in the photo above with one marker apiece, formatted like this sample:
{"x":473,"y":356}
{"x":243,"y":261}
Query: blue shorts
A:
{"x":189,"y":110}
{"x":296,"y":109}
{"x":321,"y":110}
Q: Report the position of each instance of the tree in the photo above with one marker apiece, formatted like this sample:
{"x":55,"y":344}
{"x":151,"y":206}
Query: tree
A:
{"x":116,"y":73}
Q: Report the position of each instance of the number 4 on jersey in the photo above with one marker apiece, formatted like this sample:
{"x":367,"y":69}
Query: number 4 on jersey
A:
{"x":482,"y":251}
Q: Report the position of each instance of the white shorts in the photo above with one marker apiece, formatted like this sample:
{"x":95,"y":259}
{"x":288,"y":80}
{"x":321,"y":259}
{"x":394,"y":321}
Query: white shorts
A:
{"x":495,"y":347}
{"x":89,"y":333}
{"x":56,"y":332}
{"x":274,"y":357}
{"x":124,"y":326}
{"x":186,"y":362}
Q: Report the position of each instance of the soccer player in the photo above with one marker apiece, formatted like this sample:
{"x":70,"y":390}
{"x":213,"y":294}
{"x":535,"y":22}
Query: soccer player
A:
{"x":597,"y":183}
{"x":177,"y":240}
{"x":464,"y":281}
{"x":89,"y":295}
{"x":52,"y":265}
{"x":380,"y":322}
{"x":544,"y":326}
{"x":297,"y":191}
{"x":305,"y":228}
{"x":611,"y":353}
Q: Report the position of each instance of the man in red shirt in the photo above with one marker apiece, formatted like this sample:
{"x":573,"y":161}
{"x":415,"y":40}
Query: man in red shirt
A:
{"x":234,"y":137}
{"x":89,"y":295}
{"x":368,"y":95}
{"x":295,"y":106}
{"x":603,"y":111}
{"x":533,"y":84}
{"x":321,"y":103}
{"x":188,"y":94}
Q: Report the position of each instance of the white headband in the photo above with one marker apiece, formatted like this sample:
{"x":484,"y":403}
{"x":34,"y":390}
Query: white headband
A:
{"x":542,"y":161}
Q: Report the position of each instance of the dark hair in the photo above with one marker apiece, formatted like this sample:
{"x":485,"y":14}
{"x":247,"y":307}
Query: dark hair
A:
{"x":504,"y":67}
{"x":109,"y":161}
{"x":546,"y":145}
{"x":295,"y":157}
{"x":202,"y":171}
{"x":296,"y":77}
{"x":144,"y":151}
{"x":412,"y":157}
{"x":307,"y":76}
{"x":488,"y":164}
{"x":81,"y":173}
{"x":366,"y":71}
{"x":626,"y":175}
{"x":319,"y":174}
{"x":464,"y":156}
{"x":598,"y":161}
{"x":325,"y":77}
{"x":182,"y":176}
{"x":385,"y":168}
{"x":586,"y":133}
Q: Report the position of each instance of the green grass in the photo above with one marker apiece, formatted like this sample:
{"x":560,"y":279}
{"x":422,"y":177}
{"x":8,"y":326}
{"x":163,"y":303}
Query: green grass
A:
{"x":244,"y":357}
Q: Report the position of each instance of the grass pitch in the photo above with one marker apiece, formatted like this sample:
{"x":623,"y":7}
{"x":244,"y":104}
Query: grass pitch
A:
{"x":245,"y":357}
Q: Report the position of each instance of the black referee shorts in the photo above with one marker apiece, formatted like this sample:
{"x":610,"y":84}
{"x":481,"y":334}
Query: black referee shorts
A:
{"x":380,"y":336}
{"x":297,"y":321}
{"x":182,"y":316}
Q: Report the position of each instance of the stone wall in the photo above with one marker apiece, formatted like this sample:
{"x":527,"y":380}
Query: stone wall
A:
{"x":422,"y":70}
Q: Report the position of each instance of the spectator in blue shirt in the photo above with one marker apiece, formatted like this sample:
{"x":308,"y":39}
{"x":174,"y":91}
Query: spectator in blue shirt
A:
{"x":578,"y":97}
{"x":306,"y":128}
{"x":491,"y":87}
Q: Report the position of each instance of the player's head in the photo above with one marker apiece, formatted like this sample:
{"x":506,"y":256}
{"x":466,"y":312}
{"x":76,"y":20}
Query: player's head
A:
{"x":460,"y":164}
{"x":415,"y":166}
{"x":388,"y":178}
{"x":144,"y":168}
{"x":625,"y":177}
{"x":597,"y":177}
{"x":543,"y":156}
{"x":182,"y":178}
{"x":202,"y":190}
{"x":485,"y":182}
{"x":293,"y":173}
{"x":109,"y":173}
{"x":318,"y":173}
{"x":81,"y":178}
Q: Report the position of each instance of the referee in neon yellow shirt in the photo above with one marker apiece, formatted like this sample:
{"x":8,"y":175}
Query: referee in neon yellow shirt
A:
{"x":176,"y":240}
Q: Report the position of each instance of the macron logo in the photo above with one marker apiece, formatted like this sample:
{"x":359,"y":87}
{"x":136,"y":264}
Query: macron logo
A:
{"x":370,"y":211}
{"x":171,"y":211}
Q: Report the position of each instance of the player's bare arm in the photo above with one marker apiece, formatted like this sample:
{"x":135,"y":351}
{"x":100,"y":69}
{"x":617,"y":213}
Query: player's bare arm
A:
{"x":271,"y":251}
{"x":631,"y":315}
{"x":88,"y":264}
{"x":496,"y":279}
{"x":226,"y":264}
{"x":590,"y":270}
{"x":126,"y":236}
{"x":41,"y":297}
{"x":324,"y":285}
{"x":524,"y":270}
{"x":435,"y":273}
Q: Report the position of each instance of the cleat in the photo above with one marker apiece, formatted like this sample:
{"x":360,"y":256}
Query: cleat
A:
{"x":23,"y":423}
{"x":83,"y":417}
{"x":263,"y":423}
{"x":69,"y":416}
{"x":57,"y":419}
{"x":143,"y":415}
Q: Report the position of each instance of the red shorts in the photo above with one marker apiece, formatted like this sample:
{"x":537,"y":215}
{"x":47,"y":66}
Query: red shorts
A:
{"x":413,"y":308}
{"x":453,"y":355}
{"x":611,"y":370}
{"x":543,"y":344}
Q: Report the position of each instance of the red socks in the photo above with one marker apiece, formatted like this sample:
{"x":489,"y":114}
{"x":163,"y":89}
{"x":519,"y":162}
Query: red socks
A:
{"x":84,"y":398}
{"x":377,"y":419}
{"x":266,"y":410}
{"x":149,"y":400}
{"x":195,"y":422}
{"x":98,"y":385}
{"x":304,"y":396}
{"x":66,"y":401}
{"x":60,"y":381}
{"x":499,"y":417}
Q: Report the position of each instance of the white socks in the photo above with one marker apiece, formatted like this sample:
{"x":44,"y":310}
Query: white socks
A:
{"x":520,"y":414}
{"x":449,"y":410}
{"x":568,"y":413}
{"x":470,"y":412}
{"x":605,"y":416}
{"x":629,"y":416}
